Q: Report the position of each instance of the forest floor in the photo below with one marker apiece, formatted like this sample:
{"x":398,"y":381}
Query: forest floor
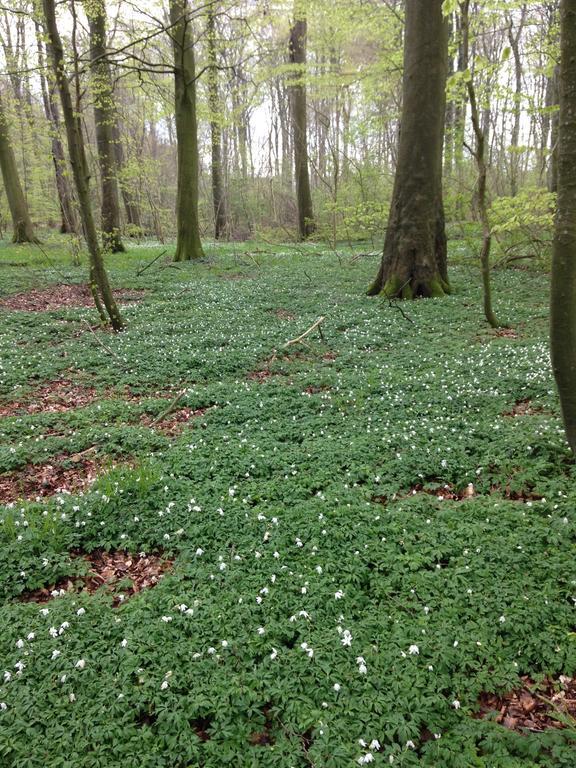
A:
{"x":215,"y":550}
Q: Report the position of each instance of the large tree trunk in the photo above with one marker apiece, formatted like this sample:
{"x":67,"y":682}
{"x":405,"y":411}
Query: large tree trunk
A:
{"x":22,"y":223}
{"x":188,"y":244}
{"x":68,"y":214}
{"x":104,"y":119}
{"x":297,"y":55}
{"x":99,"y":285}
{"x":218,"y":194}
{"x":414,"y":258}
{"x":563,"y":293}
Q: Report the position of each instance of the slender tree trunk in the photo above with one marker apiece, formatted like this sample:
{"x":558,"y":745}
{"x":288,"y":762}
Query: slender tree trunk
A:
{"x":130,"y":202}
{"x":68,"y":214}
{"x":218,"y":194}
{"x":563,"y":293}
{"x":188,"y":244}
{"x":104,"y":119}
{"x":414,"y":259}
{"x":552,"y":176}
{"x":99,"y":284}
{"x":22,"y":223}
{"x":514,"y":40}
{"x":297,"y":54}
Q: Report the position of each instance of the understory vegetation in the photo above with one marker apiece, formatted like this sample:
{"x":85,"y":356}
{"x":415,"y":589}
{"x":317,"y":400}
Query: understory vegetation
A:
{"x":363,"y":534}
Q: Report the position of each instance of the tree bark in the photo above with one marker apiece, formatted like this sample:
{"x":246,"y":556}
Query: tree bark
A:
{"x":22,"y":223}
{"x":514,"y":40}
{"x":414,"y":259}
{"x":218,"y":193}
{"x":563,"y":291}
{"x":130,"y":201}
{"x":297,"y":56}
{"x":552,"y":176}
{"x":104,"y":119}
{"x":99,"y":284}
{"x":69,"y":223}
{"x":188,"y":243}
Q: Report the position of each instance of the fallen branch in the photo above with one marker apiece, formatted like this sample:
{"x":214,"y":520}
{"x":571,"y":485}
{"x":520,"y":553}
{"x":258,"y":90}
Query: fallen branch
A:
{"x":299,"y":339}
{"x":170,"y":408}
{"x":154,"y":260}
{"x":107,"y":349}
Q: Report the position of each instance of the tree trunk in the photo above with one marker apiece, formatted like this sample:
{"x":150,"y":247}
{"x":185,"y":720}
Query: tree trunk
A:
{"x":130,"y":202}
{"x":514,"y":40}
{"x":563,"y":291}
{"x":297,"y":55}
{"x":23,"y":229}
{"x":218,"y":194}
{"x":69,"y":223}
{"x":552,"y":176}
{"x":188,"y":244}
{"x":414,"y":258}
{"x":104,"y":119}
{"x":99,"y":285}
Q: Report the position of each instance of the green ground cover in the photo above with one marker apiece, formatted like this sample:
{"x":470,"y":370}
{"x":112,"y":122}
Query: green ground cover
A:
{"x":321,"y":610}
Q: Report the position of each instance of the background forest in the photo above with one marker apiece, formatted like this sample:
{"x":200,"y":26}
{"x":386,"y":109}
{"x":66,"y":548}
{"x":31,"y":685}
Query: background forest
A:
{"x":245,"y":81}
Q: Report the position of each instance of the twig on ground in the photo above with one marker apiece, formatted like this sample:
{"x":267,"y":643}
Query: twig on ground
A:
{"x":300,"y":339}
{"x":110,"y":351}
{"x":170,"y":408}
{"x":154,"y":260}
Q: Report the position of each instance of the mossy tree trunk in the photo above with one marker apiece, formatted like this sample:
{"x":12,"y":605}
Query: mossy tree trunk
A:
{"x":99,"y":284}
{"x":414,"y":259}
{"x":104,"y":120}
{"x":218,"y":193}
{"x":188,"y":243}
{"x":21,"y":221}
{"x":552,"y":176}
{"x":297,"y":57}
{"x":563,"y":292}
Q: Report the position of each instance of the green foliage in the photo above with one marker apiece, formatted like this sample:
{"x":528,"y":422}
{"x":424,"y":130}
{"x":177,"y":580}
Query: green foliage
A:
{"x":290,"y":513}
{"x":523,"y":224}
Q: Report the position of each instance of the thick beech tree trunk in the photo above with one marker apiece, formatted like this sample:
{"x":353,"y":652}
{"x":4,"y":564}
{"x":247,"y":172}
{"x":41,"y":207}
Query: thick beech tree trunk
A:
{"x":99,"y":285}
{"x":414,"y":258}
{"x":218,"y":193}
{"x":563,"y":293}
{"x":104,"y":119}
{"x":22,"y":223}
{"x":297,"y":56}
{"x":188,"y":243}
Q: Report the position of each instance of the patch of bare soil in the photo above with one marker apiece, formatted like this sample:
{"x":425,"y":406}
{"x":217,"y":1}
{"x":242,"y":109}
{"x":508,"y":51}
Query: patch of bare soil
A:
{"x":523,"y":408}
{"x":55,"y":397}
{"x":535,"y":706}
{"x":60,"y":297}
{"x":175,"y":422}
{"x":121,"y":573}
{"x":284,"y":314}
{"x":63,"y":474}
{"x":507,"y":333}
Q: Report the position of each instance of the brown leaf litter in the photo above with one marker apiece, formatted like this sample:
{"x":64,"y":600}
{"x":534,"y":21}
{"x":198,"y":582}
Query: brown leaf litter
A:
{"x":535,"y":706}
{"x":121,"y":573}
{"x":61,"y":297}
{"x":175,"y":422}
{"x":56,"y":396}
{"x":63,"y":473}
